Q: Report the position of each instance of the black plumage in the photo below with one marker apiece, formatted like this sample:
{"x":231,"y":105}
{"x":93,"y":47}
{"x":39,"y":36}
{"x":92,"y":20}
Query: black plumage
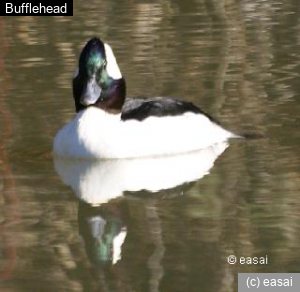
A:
{"x":140,"y":108}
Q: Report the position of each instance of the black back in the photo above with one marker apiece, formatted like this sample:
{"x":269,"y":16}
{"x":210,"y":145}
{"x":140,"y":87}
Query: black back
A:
{"x":140,"y":109}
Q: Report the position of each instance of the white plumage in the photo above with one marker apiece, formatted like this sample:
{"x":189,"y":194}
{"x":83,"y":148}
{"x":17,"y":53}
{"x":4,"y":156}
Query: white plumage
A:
{"x":95,"y":133}
{"x":112,"y":66}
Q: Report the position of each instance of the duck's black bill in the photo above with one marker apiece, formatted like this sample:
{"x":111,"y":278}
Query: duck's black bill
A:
{"x":91,"y":93}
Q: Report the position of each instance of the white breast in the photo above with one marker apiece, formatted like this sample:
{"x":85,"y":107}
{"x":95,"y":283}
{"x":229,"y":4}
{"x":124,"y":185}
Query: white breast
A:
{"x":97,"y":134}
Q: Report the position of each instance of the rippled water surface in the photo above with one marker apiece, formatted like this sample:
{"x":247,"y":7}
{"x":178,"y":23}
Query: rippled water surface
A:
{"x":164,"y":224}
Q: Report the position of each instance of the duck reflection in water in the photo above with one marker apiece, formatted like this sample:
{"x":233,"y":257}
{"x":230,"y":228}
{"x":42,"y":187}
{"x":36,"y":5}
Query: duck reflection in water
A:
{"x":96,"y":183}
{"x":103,"y":233}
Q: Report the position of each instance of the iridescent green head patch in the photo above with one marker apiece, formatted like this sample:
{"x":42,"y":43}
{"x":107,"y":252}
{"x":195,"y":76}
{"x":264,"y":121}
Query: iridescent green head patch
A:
{"x":95,"y":64}
{"x":92,"y":58}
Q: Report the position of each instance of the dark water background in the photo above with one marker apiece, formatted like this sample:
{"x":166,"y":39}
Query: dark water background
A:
{"x":239,"y":61}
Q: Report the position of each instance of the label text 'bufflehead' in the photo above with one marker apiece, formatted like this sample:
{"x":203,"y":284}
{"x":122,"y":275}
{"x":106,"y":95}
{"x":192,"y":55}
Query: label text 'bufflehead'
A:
{"x":37,"y":8}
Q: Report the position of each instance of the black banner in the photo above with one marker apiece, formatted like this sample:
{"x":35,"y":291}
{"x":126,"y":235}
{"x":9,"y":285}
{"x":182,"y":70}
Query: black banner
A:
{"x":34,"y":7}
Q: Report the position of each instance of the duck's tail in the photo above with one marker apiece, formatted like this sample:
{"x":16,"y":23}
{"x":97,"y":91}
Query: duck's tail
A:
{"x":248,"y":136}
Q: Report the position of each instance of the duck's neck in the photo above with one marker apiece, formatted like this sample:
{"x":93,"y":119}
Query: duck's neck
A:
{"x":112,"y":96}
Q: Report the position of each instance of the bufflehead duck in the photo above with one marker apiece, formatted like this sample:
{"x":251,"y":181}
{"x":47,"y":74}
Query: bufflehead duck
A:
{"x":109,"y":126}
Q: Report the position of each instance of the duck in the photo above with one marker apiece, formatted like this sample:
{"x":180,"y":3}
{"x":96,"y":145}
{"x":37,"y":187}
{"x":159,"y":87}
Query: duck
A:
{"x":108,"y":125}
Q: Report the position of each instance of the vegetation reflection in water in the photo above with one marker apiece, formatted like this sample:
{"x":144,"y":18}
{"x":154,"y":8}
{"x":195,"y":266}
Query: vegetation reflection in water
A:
{"x":239,"y":61}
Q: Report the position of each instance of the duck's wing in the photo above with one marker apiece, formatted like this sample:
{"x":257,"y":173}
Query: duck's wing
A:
{"x":140,"y":109}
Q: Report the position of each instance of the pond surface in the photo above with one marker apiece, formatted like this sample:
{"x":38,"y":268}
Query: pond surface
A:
{"x":152,"y":225}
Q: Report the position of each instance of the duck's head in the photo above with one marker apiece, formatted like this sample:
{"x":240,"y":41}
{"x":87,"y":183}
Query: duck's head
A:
{"x":98,"y":80}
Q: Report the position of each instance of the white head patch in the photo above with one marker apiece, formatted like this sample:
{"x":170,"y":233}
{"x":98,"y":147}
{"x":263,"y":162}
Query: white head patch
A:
{"x":112,"y":67}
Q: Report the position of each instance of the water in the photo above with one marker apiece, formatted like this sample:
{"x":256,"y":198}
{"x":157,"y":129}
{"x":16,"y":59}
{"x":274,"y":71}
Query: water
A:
{"x":239,"y":61}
